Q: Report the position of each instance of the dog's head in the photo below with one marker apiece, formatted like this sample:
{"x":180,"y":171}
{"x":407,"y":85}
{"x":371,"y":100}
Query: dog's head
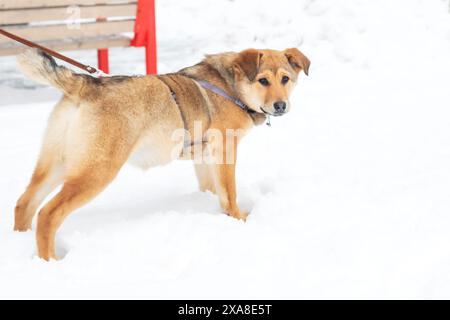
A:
{"x":264,"y":79}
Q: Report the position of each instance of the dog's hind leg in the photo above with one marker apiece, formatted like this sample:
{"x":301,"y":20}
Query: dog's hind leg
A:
{"x":98,"y":149}
{"x":46,"y":177}
{"x":49,"y":170}
{"x":79,"y":188}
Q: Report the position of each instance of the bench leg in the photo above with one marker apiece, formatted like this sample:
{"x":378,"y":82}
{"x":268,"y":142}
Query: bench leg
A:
{"x":103,"y":61}
{"x":150,"y":59}
{"x":150,"y":48}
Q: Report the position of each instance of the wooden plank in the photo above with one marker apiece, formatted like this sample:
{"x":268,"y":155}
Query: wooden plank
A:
{"x":15,"y":4}
{"x":87,"y":43}
{"x":59,"y":32}
{"x":61,"y":13}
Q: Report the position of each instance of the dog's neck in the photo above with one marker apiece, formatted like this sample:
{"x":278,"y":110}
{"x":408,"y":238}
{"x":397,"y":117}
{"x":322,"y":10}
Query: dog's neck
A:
{"x":207,"y":70}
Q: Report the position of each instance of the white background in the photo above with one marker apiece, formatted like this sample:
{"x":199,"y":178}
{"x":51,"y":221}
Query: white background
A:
{"x":349,"y":193}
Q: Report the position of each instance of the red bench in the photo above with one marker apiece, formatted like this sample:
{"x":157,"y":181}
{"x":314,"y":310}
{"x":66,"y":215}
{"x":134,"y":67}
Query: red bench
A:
{"x":81,"y":24}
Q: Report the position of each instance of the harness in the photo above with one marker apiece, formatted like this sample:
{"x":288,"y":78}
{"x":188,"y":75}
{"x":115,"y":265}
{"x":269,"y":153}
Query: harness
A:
{"x":211,"y":88}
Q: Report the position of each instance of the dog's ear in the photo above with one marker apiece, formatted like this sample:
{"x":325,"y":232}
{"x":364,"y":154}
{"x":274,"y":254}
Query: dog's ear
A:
{"x":247,"y":63}
{"x":297,"y":60}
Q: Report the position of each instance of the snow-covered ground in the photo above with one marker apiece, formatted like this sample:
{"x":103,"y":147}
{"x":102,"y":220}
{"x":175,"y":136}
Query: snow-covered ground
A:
{"x":349,"y":193}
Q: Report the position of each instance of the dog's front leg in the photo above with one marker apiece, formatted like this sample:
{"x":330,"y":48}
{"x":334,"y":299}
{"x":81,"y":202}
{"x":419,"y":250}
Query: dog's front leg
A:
{"x":205,"y":177}
{"x":226,"y":187}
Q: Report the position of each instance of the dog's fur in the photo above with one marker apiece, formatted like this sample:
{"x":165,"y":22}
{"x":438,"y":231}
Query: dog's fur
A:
{"x":100,"y":124}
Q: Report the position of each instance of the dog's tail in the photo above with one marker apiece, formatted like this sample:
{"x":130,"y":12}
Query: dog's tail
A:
{"x":42,"y":68}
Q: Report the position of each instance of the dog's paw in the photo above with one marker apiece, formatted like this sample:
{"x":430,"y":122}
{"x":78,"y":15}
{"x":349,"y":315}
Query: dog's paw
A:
{"x":20,"y":227}
{"x":239,"y":215}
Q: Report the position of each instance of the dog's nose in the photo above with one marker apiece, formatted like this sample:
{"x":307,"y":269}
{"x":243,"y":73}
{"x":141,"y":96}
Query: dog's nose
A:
{"x":279,"y":106}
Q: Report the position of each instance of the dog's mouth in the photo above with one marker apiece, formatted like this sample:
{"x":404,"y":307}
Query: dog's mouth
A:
{"x":275,"y":114}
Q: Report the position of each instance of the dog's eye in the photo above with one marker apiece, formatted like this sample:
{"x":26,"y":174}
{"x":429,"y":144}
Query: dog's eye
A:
{"x":264,"y":81}
{"x":284,"y":80}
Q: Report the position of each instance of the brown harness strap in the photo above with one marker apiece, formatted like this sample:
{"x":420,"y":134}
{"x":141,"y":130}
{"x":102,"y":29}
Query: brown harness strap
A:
{"x":187,"y":143}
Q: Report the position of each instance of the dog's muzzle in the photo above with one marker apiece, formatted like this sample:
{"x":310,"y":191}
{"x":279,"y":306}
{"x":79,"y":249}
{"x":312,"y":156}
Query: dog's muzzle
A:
{"x":279,"y":108}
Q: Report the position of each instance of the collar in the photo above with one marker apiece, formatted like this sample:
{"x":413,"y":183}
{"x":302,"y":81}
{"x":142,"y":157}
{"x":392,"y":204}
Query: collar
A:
{"x":209,"y":86}
{"x":256,"y":116}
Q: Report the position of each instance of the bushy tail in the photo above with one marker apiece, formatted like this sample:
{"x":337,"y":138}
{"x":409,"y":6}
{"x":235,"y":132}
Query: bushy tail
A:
{"x":42,"y":68}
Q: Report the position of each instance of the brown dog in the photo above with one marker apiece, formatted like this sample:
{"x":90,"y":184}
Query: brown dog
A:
{"x":100,"y":124}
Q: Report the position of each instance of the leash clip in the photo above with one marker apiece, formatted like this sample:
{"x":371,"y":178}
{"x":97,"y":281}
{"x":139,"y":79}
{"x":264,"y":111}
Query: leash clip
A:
{"x":268,"y":121}
{"x":100,"y":74}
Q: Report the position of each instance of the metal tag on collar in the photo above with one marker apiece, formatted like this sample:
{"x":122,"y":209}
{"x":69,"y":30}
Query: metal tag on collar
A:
{"x":268,"y":121}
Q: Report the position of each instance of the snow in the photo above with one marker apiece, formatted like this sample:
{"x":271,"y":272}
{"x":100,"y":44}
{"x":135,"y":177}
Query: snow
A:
{"x":349,"y":193}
